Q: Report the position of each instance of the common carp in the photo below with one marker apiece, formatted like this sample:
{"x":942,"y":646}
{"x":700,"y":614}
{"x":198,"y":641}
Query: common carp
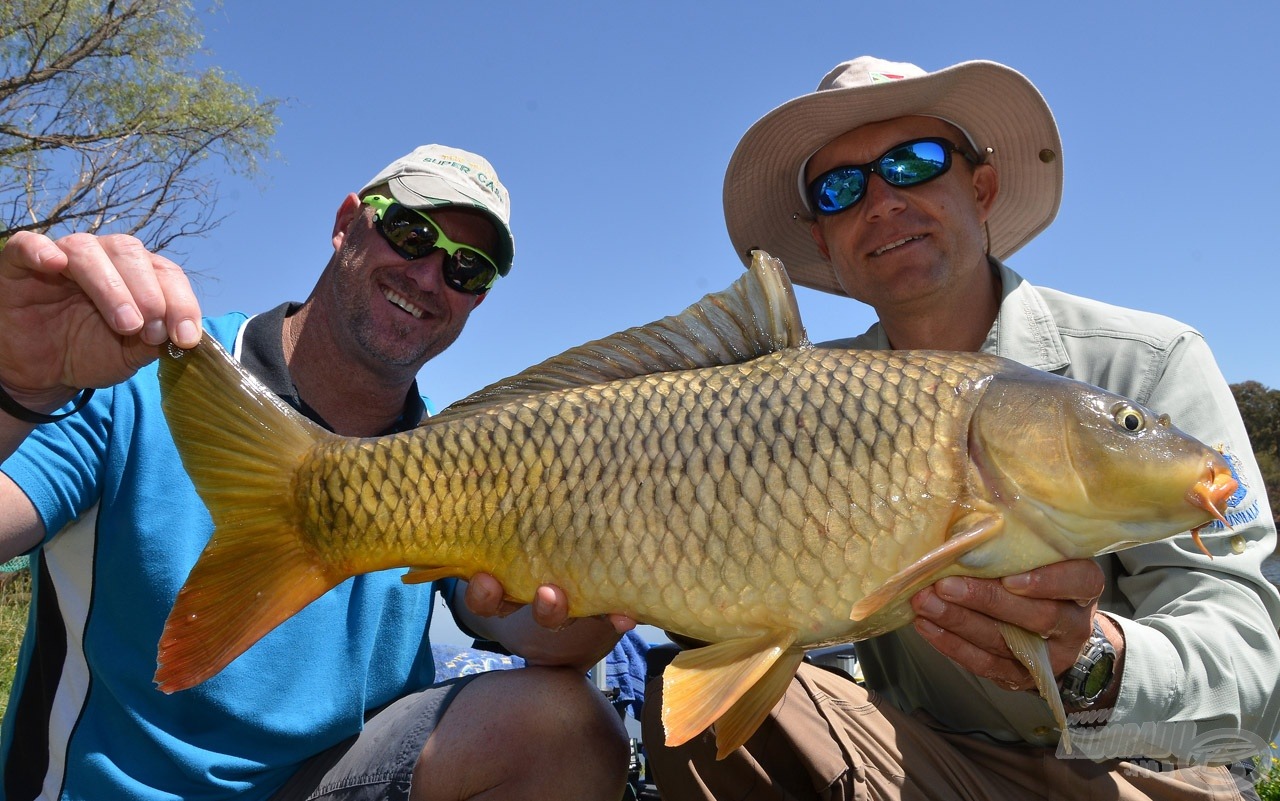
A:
{"x":713,"y":474}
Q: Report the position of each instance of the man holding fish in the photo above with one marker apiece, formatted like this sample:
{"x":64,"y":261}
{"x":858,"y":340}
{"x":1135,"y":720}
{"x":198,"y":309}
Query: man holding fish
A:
{"x":906,"y":190}
{"x":341,"y":696}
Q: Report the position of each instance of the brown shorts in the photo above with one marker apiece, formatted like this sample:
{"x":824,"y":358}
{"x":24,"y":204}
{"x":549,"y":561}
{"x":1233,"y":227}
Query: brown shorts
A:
{"x":830,"y":738}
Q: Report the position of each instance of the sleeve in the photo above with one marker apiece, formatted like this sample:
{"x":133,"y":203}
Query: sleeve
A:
{"x":1200,"y":633}
{"x":59,"y":465}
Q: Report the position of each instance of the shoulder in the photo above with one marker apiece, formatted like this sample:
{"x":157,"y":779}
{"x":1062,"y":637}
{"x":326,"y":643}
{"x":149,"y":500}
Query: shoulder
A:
{"x":1078,"y":316}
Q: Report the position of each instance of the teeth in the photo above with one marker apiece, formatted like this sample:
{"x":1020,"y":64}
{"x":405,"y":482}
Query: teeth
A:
{"x":892,"y":245}
{"x":402,"y":302}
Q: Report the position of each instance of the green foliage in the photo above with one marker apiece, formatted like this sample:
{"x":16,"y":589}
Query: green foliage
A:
{"x":15,"y":597}
{"x":107,"y":124}
{"x":1268,"y":786}
{"x":1260,"y":410}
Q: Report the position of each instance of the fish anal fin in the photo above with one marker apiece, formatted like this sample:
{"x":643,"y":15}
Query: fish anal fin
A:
{"x":971,"y":531}
{"x":1033,"y":653}
{"x":737,"y":725}
{"x":421,"y":575}
{"x":700,"y":685}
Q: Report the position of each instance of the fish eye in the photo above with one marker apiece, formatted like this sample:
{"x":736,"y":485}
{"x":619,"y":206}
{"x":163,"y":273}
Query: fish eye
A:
{"x":1128,"y":417}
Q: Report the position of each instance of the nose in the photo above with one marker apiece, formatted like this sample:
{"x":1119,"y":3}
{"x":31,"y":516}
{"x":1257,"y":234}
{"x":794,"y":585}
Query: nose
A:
{"x":882,"y":198}
{"x":427,"y":273}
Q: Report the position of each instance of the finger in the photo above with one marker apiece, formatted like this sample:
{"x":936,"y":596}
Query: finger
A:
{"x":1047,"y":617}
{"x":551,"y":607}
{"x":621,"y":623}
{"x":1080,"y":580}
{"x":484,"y":595}
{"x":1005,"y":671}
{"x":30,"y":251}
{"x":101,"y":276}
{"x":960,"y":621}
{"x":181,"y":309}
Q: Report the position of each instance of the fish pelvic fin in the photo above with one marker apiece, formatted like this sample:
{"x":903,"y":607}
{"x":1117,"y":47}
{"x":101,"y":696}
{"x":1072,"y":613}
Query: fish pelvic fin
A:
{"x":737,"y":725}
{"x":701,"y":685}
{"x":755,"y":316}
{"x":241,"y":446}
{"x":970,"y":531}
{"x":1033,"y":653}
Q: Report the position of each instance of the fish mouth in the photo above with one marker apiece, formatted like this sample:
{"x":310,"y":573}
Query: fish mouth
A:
{"x":1211,"y":494}
{"x":403,"y":303}
{"x":883,"y":249}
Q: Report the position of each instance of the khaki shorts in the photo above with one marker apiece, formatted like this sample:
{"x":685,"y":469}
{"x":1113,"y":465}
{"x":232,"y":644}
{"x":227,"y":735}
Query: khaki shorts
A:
{"x":377,"y":763}
{"x":832,"y":739}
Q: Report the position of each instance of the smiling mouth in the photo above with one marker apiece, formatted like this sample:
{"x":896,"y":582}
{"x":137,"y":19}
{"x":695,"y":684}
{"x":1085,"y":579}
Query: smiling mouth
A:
{"x":404,"y":304}
{"x":883,"y":250}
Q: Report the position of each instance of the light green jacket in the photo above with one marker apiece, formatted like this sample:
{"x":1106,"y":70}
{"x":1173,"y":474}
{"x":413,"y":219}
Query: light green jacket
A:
{"x":1200,"y":634}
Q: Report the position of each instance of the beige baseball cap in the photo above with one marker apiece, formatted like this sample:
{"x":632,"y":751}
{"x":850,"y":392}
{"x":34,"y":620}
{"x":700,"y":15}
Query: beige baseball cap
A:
{"x":433,"y":176}
{"x":995,"y":106}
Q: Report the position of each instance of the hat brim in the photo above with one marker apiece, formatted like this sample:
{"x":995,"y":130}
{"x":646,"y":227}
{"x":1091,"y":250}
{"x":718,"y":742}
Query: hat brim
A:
{"x":996,"y":106}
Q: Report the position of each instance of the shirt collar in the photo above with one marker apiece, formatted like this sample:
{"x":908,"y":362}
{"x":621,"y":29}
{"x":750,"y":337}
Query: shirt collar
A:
{"x":1025,"y":330}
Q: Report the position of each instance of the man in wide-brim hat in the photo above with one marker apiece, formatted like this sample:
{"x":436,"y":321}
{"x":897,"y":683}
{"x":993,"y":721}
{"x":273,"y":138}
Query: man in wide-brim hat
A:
{"x":906,"y":190}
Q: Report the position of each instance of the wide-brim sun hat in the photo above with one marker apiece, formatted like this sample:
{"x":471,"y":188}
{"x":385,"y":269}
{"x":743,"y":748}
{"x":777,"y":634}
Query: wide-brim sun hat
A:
{"x":438,"y":176}
{"x":995,"y":106}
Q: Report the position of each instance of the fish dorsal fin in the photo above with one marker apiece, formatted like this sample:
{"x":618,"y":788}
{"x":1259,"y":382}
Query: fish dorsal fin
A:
{"x":756,"y":315}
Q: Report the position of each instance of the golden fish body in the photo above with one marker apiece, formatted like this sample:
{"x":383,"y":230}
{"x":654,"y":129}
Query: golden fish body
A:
{"x":764,"y":495}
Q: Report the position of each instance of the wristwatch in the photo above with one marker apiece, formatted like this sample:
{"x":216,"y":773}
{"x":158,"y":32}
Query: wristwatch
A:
{"x":1090,"y":677}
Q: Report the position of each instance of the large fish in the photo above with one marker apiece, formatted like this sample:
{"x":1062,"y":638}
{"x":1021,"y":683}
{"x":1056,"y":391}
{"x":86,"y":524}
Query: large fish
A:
{"x":712,"y":474}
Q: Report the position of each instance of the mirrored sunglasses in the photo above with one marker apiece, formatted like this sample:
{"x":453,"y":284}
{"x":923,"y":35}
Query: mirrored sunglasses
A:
{"x":414,"y":235}
{"x":908,"y":164}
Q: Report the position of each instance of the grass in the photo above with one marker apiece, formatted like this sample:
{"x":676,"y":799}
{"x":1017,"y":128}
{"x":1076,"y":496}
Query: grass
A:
{"x":15,"y":597}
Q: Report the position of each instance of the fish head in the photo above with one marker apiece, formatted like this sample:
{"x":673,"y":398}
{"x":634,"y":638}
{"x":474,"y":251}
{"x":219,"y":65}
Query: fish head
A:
{"x":1092,"y":470}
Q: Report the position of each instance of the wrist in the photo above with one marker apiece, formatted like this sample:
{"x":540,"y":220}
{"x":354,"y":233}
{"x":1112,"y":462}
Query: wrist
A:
{"x":38,"y":408}
{"x":1092,"y":682}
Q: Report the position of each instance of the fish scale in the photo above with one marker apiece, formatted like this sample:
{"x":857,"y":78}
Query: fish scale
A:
{"x":711,"y":473}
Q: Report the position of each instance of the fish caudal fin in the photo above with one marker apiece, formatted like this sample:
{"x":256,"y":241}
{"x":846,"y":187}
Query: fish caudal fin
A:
{"x":734,"y":684}
{"x":1033,"y":653}
{"x":241,"y":446}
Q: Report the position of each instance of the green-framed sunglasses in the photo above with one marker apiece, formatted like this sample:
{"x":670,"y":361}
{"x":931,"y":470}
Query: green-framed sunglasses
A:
{"x":413,"y":234}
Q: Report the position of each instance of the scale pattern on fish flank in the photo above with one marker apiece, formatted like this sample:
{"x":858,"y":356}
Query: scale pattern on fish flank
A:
{"x":653,"y":493}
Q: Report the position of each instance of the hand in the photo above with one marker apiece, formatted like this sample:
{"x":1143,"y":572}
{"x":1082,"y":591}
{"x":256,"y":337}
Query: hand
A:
{"x":958,"y":617}
{"x":550,"y":606}
{"x":542,"y":632}
{"x":85,"y":311}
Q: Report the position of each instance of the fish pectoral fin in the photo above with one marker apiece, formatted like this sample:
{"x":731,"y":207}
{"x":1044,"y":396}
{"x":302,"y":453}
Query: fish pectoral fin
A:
{"x":974,"y":529}
{"x":1033,"y":653}
{"x":421,"y":575}
{"x":737,"y":725}
{"x":701,"y":685}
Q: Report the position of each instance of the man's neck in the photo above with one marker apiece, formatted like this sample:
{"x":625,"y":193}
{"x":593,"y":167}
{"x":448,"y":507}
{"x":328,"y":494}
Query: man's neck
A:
{"x":960,"y":321}
{"x":355,"y":400}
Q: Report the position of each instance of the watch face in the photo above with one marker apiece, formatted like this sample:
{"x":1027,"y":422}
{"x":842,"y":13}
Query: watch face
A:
{"x":1098,"y":676}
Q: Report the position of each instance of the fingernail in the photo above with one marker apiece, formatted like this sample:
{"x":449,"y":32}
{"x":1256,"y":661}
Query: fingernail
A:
{"x":188,"y":334}
{"x":932,"y":606}
{"x":128,"y":319}
{"x":952,"y":588}
{"x":1019,"y":582}
{"x":155,"y":333}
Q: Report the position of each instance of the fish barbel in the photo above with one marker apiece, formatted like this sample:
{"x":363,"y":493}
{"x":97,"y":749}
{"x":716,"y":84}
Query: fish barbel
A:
{"x":712,"y":474}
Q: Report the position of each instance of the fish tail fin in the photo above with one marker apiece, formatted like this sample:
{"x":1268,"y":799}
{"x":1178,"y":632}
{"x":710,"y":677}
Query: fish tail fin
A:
{"x":241,"y":446}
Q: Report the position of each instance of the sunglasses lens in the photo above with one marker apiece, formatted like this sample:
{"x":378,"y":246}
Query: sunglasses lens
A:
{"x":468,"y":271}
{"x":838,"y":190}
{"x":914,"y":163}
{"x":408,"y":232}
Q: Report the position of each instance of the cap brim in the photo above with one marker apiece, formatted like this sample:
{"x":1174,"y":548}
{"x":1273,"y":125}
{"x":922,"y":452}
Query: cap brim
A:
{"x":997,"y":106}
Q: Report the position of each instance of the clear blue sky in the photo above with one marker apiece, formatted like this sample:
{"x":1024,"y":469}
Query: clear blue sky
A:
{"x":611,"y":123}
